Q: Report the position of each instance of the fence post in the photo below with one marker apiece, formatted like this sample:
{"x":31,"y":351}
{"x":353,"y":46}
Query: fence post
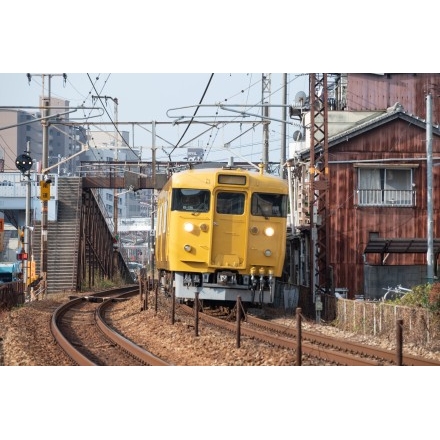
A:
{"x":146,"y":294}
{"x":196,"y":326}
{"x":399,"y":342}
{"x":173,"y":306}
{"x":141,"y":282}
{"x":298,"y":337}
{"x":238,"y":320}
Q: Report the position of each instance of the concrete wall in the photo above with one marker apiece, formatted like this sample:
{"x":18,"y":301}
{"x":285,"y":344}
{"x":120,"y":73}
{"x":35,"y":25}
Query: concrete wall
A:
{"x":378,"y":278}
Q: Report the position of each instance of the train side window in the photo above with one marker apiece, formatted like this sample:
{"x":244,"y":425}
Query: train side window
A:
{"x":230,"y":203}
{"x":269,"y":205}
{"x":193,"y":200}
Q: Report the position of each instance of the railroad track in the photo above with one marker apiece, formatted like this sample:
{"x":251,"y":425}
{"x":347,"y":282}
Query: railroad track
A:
{"x":80,"y":329}
{"x":326,"y":348}
{"x":387,"y":356}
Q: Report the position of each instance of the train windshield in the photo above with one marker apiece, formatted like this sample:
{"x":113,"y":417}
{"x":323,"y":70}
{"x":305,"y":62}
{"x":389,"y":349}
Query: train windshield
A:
{"x":230,"y":203}
{"x":193,"y":200}
{"x":269,"y":205}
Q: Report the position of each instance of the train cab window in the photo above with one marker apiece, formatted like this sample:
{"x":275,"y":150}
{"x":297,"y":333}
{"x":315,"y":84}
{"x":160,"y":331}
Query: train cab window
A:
{"x":230,"y":203}
{"x":269,"y":205}
{"x":193,"y":200}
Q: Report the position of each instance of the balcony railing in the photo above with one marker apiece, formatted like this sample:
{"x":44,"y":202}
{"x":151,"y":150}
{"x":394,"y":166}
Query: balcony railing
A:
{"x":386,"y":197}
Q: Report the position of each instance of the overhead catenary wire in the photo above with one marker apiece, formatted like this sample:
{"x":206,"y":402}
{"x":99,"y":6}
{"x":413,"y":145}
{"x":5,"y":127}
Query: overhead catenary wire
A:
{"x":101,"y":82}
{"x":195,"y":113}
{"x":116,"y":127}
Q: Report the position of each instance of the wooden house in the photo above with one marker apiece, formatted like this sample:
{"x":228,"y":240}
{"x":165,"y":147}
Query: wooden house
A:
{"x":377,"y":221}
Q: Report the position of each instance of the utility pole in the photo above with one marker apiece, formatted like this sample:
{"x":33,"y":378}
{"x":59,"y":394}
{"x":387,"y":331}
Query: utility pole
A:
{"x":153,"y":204}
{"x":430,"y":221}
{"x":45,"y":182}
{"x":283,"y":128}
{"x":24,"y":164}
{"x":27,"y":227}
{"x":116,"y":142}
{"x":44,"y":201}
{"x":265,"y":111}
{"x":115,"y":190}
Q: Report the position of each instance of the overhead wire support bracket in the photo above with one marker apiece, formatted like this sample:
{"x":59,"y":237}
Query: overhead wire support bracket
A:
{"x":51,"y":118}
{"x":181,"y":119}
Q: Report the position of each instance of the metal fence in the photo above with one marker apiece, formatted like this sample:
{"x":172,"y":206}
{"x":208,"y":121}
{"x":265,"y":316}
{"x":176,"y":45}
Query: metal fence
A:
{"x":377,"y":318}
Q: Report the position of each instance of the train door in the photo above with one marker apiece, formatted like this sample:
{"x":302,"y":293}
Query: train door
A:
{"x":229,"y":237}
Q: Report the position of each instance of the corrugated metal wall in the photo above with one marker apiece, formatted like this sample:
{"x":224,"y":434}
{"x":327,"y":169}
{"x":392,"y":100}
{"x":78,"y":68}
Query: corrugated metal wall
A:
{"x":369,"y":91}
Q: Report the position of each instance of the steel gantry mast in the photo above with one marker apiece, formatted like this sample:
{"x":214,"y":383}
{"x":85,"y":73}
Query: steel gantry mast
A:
{"x":319,"y":188}
{"x":265,"y":91}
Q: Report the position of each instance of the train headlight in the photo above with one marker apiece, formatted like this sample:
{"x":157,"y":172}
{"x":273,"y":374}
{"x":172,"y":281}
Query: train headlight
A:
{"x":188,"y":227}
{"x":254,"y":230}
{"x":204,"y":227}
{"x":267,"y":252}
{"x":269,"y":231}
{"x":187,"y":247}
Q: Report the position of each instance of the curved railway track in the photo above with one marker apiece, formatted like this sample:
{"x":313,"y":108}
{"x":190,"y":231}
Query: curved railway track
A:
{"x":326,"y":348}
{"x":80,"y":329}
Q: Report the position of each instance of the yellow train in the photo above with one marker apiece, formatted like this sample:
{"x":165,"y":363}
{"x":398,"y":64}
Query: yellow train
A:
{"x":221,"y":232}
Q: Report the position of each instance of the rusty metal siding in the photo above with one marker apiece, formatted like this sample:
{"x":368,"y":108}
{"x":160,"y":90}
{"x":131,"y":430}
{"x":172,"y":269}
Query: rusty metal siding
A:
{"x":368,"y":91}
{"x":350,"y":225}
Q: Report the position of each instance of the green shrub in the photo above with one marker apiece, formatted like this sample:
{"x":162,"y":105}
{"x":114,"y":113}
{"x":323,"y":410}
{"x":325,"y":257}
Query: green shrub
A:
{"x":425,"y":295}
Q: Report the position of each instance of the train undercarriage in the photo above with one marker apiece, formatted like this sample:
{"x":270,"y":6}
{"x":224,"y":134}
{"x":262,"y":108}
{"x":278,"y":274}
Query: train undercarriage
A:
{"x":220,"y":286}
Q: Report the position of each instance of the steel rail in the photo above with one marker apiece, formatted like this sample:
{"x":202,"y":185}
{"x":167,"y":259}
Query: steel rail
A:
{"x":127,"y":345}
{"x":107,"y":298}
{"x":329,"y":355}
{"x":388,"y":355}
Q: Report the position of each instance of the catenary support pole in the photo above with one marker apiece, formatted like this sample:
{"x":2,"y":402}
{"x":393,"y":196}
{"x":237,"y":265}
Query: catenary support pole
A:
{"x":430,"y":220}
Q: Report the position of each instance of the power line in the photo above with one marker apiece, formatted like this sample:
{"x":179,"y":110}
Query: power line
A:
{"x":115,"y":100}
{"x":195,"y":112}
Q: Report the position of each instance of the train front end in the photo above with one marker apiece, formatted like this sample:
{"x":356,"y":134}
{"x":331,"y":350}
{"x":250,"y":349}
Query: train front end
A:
{"x":225,"y":235}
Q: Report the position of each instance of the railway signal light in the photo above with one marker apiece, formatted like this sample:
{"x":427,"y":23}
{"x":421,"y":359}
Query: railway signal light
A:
{"x":23,"y":162}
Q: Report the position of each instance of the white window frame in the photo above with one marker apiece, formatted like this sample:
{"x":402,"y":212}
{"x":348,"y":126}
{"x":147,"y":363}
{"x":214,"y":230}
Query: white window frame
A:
{"x":385,"y":185}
